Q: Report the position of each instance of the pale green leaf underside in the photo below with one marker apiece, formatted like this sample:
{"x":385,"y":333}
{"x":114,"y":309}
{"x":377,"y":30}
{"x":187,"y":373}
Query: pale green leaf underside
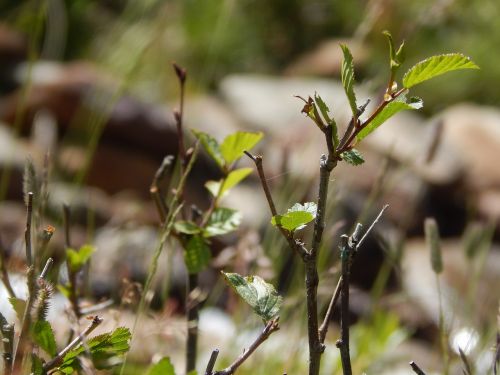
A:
{"x":197,"y":255}
{"x":163,"y":367}
{"x":435,"y":66}
{"x":233,"y":145}
{"x":390,"y":110}
{"x":186,"y":227}
{"x":296,"y":217}
{"x":222,"y":221}
{"x":261,"y":296}
{"x":347,"y":74}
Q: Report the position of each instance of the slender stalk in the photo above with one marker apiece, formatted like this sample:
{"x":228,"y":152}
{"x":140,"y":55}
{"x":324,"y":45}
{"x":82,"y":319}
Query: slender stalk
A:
{"x":57,"y":360}
{"x":211,"y":362}
{"x":4,"y":274}
{"x":271,"y":327}
{"x":72,"y":276}
{"x":27,"y":231}
{"x":8,"y":344}
{"x":323,"y":329}
{"x":192,"y":315}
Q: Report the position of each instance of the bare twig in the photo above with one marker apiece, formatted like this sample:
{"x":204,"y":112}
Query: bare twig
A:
{"x":323,"y":329}
{"x":98,"y":307}
{"x":271,"y":327}
{"x":57,"y":360}
{"x":181,"y":75}
{"x":211,"y":362}
{"x":46,"y":268}
{"x":27,"y":231}
{"x":8,"y":344}
{"x":371,"y":226}
{"x":417,"y":370}
{"x":192,"y":315}
{"x":463,"y":357}
{"x":4,"y":274}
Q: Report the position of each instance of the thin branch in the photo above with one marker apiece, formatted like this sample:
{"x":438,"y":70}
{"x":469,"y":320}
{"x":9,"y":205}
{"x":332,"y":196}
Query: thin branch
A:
{"x":193,"y":317}
{"x":465,"y":360}
{"x":4,"y":274}
{"x":8,"y":344}
{"x":57,"y":360}
{"x":417,"y":370}
{"x":323,"y":329}
{"x":72,"y":276}
{"x":271,"y":327}
{"x":181,"y":75}
{"x":371,"y":227}
{"x":46,"y":268}
{"x":211,"y":362}
{"x":295,"y":245}
{"x":67,"y":225}
{"x":98,"y":307}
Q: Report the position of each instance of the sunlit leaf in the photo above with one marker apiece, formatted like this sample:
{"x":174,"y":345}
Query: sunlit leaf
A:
{"x":197,"y":254}
{"x":186,"y":227}
{"x":232,"y":179}
{"x":435,"y":66}
{"x":163,"y":367}
{"x":43,"y":336}
{"x":233,"y":145}
{"x":347,"y":74}
{"x":330,"y":120}
{"x":296,"y":217}
{"x":261,"y":296}
{"x":77,"y":259}
{"x":390,"y":110}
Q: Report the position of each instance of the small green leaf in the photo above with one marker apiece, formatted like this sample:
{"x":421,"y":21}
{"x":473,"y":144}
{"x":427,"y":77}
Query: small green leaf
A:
{"x":77,"y":259}
{"x":102,"y":348}
{"x":390,"y":110}
{"x":233,"y":145}
{"x":347,"y":73}
{"x":197,"y":254}
{"x":36,"y":365}
{"x":261,"y":296}
{"x":43,"y":336}
{"x":223,"y":220}
{"x":296,"y":217}
{"x":163,"y":367}
{"x":435,"y":66}
{"x":19,"y":306}
{"x":232,"y":179}
{"x":211,"y":146}
{"x":186,"y":227}
{"x":330,"y":120}
{"x":353,"y":157}
{"x":396,"y":57}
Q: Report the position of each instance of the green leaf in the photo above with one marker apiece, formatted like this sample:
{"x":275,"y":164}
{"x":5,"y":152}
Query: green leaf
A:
{"x":232,"y":179}
{"x":102,"y":348}
{"x":233,"y":145}
{"x":390,"y":110}
{"x":435,"y":66}
{"x":43,"y":336}
{"x":396,"y":57}
{"x":330,"y":120}
{"x":36,"y":365}
{"x":211,"y":146}
{"x":347,"y":74}
{"x":223,"y":220}
{"x":77,"y":259}
{"x":186,"y":227}
{"x":353,"y":157}
{"x":197,"y":254}
{"x":163,"y":367}
{"x":261,"y":296}
{"x":296,"y":217}
{"x":19,"y":306}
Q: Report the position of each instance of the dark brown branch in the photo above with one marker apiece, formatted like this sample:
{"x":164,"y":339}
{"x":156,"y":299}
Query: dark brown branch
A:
{"x":295,"y":245}
{"x":4,"y":274}
{"x":271,"y":327}
{"x":211,"y":362}
{"x":8,"y":344}
{"x":192,"y":315}
{"x":181,"y":75}
{"x":417,"y":370}
{"x":27,"y":231}
{"x":323,"y":329}
{"x":57,"y":360}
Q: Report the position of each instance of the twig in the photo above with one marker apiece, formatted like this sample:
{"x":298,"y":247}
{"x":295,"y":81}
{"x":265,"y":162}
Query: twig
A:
{"x":156,"y":192}
{"x":72,"y":276}
{"x":371,"y":227}
{"x":295,"y":245}
{"x":8,"y":344}
{"x":4,"y":274}
{"x":46,"y":268}
{"x":323,"y":329}
{"x":57,"y":360}
{"x":271,"y":326}
{"x":181,"y":75}
{"x":211,"y":362}
{"x":417,"y":370}
{"x":463,"y":357}
{"x":67,"y":225}
{"x":98,"y":307}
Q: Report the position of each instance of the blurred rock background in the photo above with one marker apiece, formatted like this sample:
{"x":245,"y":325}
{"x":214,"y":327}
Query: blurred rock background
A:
{"x":91,"y":83}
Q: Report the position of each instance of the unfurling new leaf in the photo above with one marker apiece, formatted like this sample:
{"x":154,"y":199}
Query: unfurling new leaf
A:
{"x":347,"y":73}
{"x":435,"y":66}
{"x":261,"y":296}
{"x":296,"y":217}
{"x":77,"y":259}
